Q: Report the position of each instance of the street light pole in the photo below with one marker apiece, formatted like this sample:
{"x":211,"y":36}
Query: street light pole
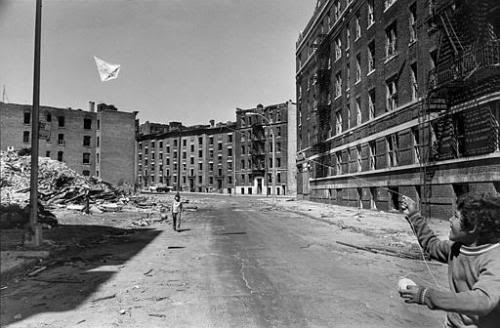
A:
{"x":35,"y":233}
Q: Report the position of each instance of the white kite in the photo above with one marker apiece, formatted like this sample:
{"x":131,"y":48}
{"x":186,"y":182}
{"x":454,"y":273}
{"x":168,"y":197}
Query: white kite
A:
{"x":106,"y":70}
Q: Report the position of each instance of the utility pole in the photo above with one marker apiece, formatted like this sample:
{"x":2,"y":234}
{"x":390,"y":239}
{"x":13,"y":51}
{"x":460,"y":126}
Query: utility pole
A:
{"x":35,"y":233}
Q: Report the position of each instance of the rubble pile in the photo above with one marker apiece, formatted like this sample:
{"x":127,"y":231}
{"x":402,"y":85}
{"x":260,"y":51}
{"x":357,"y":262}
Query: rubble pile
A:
{"x":57,"y":183}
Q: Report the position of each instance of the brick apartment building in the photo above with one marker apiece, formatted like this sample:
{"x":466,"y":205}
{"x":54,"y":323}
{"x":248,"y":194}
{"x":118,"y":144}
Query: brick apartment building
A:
{"x":230,"y":158}
{"x":93,"y":143}
{"x":195,"y":158}
{"x":254,"y":164}
{"x":398,"y":97}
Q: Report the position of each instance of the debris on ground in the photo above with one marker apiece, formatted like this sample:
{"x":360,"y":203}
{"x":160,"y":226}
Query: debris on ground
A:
{"x":410,"y":253}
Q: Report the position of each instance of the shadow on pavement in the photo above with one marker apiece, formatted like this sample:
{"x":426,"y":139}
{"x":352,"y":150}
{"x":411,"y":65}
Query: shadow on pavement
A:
{"x":93,"y":254}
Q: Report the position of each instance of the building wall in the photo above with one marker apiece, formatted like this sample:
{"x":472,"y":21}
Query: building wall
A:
{"x":117,"y":146}
{"x":206,"y":157}
{"x":292,"y":148}
{"x":253,"y":177}
{"x":118,"y":128}
{"x":404,"y":144}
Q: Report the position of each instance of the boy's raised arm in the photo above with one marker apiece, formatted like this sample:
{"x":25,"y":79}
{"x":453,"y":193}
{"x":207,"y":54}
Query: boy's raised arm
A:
{"x":437,"y":249}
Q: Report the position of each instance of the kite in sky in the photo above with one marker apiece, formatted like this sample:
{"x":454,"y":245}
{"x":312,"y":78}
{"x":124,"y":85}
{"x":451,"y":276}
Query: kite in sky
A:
{"x":106,"y":70}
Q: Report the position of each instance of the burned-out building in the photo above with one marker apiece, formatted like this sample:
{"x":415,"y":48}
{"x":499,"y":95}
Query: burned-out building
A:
{"x":398,"y":97}
{"x":254,"y":171}
{"x":194,"y":158}
{"x":96,"y":142}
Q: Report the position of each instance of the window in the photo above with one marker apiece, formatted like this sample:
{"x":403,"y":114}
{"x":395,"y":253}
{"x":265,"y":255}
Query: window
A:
{"x":192,"y":160}
{"x":200,"y":140}
{"x":97,"y":158}
{"x":371,"y":104}
{"x":167,"y":161}
{"x":358,"y":111}
{"x":338,"y":48}
{"x":211,"y":140}
{"x":175,"y":155}
{"x":86,"y":141}
{"x":153,"y":144}
{"x":278,"y":162}
{"x":336,"y":11}
{"x":200,"y":153}
{"x":391,"y":95}
{"x":338,"y":85}
{"x":86,"y":173}
{"x":211,"y":153}
{"x":48,"y":117}
{"x":371,"y":12}
{"x":184,"y":155}
{"x":433,"y":58}
{"x":230,"y":179}
{"x":200,"y":166}
{"x":229,"y":138}
{"x":98,"y":124}
{"x":60,"y":139}
{"x":270,"y":163}
{"x":98,"y":142}
{"x":60,"y":155}
{"x":348,"y":113}
{"x":357,"y":26}
{"x":338,"y":162}
{"x":338,"y":122}
{"x":243,"y":149}
{"x":391,"y":144}
{"x":347,"y":37}
{"x":371,"y":56}
{"x":87,"y":123}
{"x":229,"y":152}
{"x":60,"y":120}
{"x":184,"y":142}
{"x":414,"y":81}
{"x":348,"y":76}
{"x":416,"y":144}
{"x":229,"y":165}
{"x":373,"y":155}
{"x":358,"y":68}
{"x":388,"y":3}
{"x":358,"y":157}
{"x":47,"y":153}
{"x":175,"y":142}
{"x":27,"y":117}
{"x":278,"y":146}
{"x":278,"y":130}
{"x":161,"y":145}
{"x":211,"y":179}
{"x":243,"y":164}
{"x":390,"y":41}
{"x":210,"y":166}
{"x":86,"y":158}
{"x":413,"y":22}
{"x":192,"y":148}
{"x":26,"y":136}
{"x":200,"y":179}
{"x":219,"y":146}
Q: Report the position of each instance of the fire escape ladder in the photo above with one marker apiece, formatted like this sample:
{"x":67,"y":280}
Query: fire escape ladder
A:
{"x":451,"y":34}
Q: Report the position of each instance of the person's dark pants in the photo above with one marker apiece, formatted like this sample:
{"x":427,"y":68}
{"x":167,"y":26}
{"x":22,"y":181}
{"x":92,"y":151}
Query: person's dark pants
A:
{"x":174,"y":220}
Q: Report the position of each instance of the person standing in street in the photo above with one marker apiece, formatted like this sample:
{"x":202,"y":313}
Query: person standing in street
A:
{"x":177,"y":212}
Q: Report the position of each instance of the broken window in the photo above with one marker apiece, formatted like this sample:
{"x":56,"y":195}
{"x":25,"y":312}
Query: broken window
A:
{"x":87,"y":123}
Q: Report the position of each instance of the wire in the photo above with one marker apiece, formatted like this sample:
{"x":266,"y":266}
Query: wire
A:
{"x":422,"y":252}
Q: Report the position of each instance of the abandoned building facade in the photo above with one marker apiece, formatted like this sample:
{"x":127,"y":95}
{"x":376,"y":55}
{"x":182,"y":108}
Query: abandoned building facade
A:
{"x":398,"y":97}
{"x":258,"y":128}
{"x":195,"y":158}
{"x":230,"y":158}
{"x":96,"y":143}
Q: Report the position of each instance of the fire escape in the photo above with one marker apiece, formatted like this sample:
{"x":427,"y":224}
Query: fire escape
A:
{"x":322,"y":106}
{"x":467,"y":67}
{"x":258,"y":143}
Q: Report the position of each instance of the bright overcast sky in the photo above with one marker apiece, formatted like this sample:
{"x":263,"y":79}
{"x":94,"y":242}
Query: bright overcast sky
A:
{"x":184,"y":60}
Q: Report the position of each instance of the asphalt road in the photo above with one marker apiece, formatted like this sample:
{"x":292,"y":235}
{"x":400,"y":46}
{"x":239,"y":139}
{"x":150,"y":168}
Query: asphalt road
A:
{"x":237,"y":263}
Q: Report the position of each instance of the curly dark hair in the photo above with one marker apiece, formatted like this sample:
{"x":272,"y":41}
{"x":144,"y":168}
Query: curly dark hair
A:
{"x":481,"y":211}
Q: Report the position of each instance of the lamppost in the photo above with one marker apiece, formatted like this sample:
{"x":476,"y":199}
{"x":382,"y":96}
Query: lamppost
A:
{"x":273,"y":174}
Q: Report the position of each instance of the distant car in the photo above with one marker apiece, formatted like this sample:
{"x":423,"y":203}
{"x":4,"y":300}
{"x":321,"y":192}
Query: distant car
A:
{"x":163,"y":189}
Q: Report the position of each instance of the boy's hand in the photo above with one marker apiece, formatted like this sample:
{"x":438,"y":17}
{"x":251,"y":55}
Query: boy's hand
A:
{"x":414,"y":294}
{"x":408,"y":205}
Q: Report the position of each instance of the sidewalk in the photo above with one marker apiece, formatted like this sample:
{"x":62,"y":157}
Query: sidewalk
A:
{"x":378,"y":224}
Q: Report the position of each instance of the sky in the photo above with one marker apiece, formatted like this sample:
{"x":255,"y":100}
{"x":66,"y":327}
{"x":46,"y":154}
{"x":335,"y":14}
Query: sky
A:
{"x":181,"y":60}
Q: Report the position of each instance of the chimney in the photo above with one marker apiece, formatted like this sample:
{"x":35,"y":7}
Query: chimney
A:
{"x":212,"y":123}
{"x":92,"y":106}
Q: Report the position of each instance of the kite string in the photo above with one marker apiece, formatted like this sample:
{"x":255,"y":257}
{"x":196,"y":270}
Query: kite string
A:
{"x":422,"y":253}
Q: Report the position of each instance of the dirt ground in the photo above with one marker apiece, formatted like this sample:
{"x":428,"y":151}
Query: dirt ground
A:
{"x":250,"y":262}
